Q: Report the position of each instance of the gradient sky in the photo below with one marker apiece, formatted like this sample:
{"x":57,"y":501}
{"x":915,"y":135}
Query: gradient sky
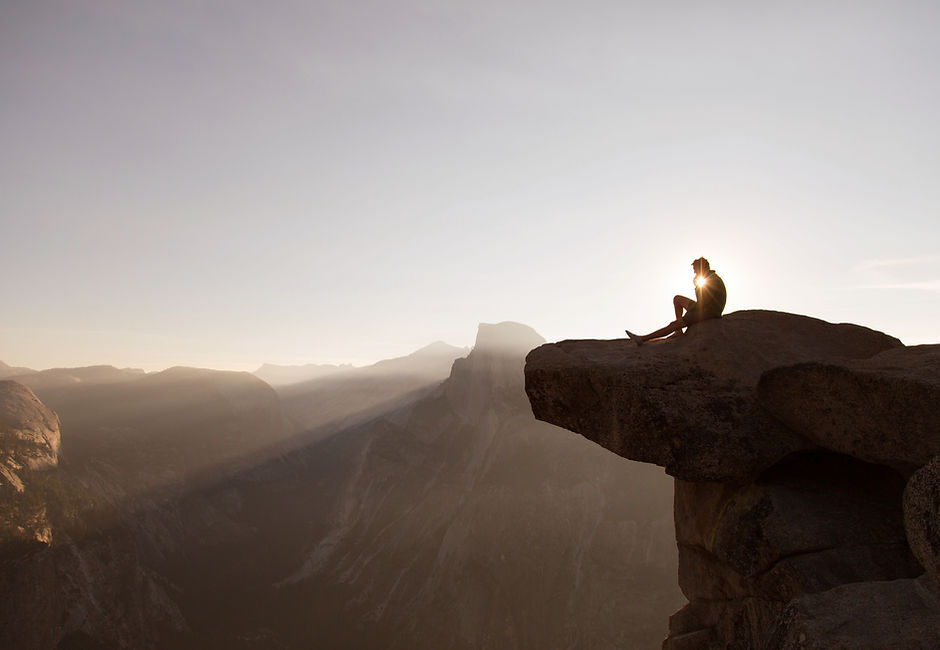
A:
{"x":228,"y":183}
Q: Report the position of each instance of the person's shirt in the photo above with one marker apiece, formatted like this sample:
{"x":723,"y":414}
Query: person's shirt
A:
{"x":712,"y":295}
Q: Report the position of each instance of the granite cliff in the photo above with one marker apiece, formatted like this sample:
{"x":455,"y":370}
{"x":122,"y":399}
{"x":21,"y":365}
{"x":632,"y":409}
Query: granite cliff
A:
{"x":805,"y":457}
{"x":29,"y":443}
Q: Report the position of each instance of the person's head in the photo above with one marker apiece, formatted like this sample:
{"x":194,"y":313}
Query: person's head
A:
{"x":700,"y":266}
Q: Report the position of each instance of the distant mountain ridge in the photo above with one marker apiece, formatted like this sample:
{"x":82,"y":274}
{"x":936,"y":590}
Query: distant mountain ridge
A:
{"x":447,"y":519}
{"x":7,"y":371}
{"x":338,"y":400}
{"x":180,"y":420}
{"x":278,"y":375}
{"x":464,"y":523}
{"x":58,"y":377}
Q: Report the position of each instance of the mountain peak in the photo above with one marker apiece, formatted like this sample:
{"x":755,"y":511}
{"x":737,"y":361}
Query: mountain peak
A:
{"x":439,"y":348}
{"x":507,"y":336}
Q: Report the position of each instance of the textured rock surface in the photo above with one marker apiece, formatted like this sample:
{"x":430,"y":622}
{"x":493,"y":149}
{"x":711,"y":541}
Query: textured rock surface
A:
{"x":805,"y":526}
{"x":94,"y":593}
{"x":881,"y":410}
{"x":689,"y":404}
{"x":29,"y":442}
{"x":901,"y":614}
{"x":30,"y":430}
{"x":741,"y":624}
{"x":922,"y":517}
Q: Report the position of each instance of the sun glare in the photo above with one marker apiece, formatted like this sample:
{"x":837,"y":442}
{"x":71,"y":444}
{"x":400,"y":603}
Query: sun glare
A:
{"x":699,"y":281}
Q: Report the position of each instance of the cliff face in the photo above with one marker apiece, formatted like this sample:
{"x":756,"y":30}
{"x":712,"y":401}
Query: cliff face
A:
{"x":462,"y":522}
{"x":31,"y":430}
{"x":29,"y":442}
{"x":70,"y":569}
{"x":793,"y":443}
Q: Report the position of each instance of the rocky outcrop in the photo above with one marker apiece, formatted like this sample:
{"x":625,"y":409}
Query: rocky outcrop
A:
{"x":792,"y":440}
{"x":29,"y":430}
{"x":690,"y":404}
{"x":29,"y":443}
{"x":854,"y":404}
{"x":805,"y":526}
{"x":891,"y":614}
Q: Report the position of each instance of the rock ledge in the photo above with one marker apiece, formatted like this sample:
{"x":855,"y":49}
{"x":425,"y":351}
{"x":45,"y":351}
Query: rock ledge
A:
{"x":803,"y":457}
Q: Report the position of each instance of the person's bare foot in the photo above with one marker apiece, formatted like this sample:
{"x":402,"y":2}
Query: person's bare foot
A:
{"x":635,"y":338}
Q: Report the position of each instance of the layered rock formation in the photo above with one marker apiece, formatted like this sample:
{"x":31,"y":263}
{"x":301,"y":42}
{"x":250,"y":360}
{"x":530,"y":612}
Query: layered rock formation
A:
{"x":791,"y":440}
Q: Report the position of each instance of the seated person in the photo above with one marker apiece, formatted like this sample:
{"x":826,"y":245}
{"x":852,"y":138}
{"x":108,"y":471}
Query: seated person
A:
{"x":710,"y":296}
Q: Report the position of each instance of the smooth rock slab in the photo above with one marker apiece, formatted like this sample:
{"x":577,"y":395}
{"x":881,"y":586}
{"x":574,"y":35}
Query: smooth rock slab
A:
{"x":880,"y":410}
{"x":689,"y":404}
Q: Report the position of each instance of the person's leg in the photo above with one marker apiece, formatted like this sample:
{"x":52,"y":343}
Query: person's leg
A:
{"x":671,"y":328}
{"x":680,"y":303}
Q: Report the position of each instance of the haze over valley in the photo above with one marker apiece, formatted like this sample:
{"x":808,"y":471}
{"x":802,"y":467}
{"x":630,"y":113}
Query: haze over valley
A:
{"x":191,"y":508}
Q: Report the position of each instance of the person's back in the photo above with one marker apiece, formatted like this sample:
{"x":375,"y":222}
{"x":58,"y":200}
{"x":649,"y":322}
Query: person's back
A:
{"x":710,"y":294}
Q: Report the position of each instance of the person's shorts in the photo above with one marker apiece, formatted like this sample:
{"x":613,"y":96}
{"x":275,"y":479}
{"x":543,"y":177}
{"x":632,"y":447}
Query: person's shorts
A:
{"x":696,"y":315}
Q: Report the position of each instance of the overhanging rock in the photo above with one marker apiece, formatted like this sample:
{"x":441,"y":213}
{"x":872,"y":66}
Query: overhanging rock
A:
{"x":690,"y":403}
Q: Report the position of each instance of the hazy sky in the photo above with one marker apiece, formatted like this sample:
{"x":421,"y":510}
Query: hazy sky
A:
{"x":227,"y":183}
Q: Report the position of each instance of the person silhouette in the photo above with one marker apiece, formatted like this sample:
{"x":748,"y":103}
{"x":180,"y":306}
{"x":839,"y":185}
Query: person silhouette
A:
{"x":710,"y":297}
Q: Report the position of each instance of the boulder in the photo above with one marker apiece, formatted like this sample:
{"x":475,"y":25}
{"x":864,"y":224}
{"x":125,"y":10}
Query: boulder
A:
{"x":897,"y":614}
{"x":881,"y":410}
{"x":805,"y":526}
{"x":689,"y":403}
{"x":922,"y":517}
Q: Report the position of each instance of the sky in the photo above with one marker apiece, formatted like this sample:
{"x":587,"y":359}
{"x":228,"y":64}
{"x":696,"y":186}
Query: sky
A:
{"x":226,"y":183}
